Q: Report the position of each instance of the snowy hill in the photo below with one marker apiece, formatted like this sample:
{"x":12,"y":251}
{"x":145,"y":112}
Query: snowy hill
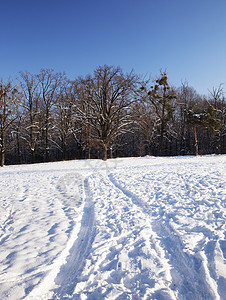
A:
{"x":133,"y":228}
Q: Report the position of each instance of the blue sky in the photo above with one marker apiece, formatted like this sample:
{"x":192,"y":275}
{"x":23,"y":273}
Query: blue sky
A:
{"x":187,"y":38}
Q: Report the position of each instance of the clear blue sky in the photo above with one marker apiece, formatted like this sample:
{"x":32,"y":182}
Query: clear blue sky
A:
{"x":185,"y":37}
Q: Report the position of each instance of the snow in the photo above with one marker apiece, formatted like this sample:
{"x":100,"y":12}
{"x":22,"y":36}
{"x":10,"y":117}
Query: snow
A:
{"x":128,"y":228}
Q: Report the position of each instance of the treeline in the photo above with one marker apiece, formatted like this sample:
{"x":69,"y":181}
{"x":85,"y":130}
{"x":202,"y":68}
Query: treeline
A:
{"x":47,"y":117}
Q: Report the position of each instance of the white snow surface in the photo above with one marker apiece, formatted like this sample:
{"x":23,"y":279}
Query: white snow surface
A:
{"x":128,"y":228}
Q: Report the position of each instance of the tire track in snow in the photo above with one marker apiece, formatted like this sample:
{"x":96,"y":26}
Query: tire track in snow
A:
{"x":69,"y":273}
{"x":153,"y":278}
{"x":126,"y":261}
{"x":188,"y":271}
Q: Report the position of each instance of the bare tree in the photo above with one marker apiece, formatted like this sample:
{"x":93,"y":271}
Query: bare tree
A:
{"x":199,"y":115}
{"x":64,"y":117}
{"x":146,"y":122}
{"x":8,"y":102}
{"x":187,"y":97}
{"x":106,"y":99}
{"x":217,"y":101}
{"x":49,"y":86}
{"x":30,"y":104}
{"x":162,"y":97}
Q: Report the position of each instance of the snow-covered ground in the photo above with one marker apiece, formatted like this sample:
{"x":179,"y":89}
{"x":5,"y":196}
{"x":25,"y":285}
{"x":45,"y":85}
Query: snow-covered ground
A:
{"x":134,"y":228}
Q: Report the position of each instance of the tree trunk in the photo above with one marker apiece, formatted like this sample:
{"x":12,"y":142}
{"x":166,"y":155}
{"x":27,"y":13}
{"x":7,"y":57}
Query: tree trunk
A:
{"x":32,"y":146}
{"x":196,"y":142}
{"x":161,"y":138}
{"x":32,"y":155}
{"x":2,"y":159}
{"x":111,"y":156}
{"x":64,"y":152}
{"x":89,"y":151}
{"x":2,"y":150}
{"x":18,"y":147}
{"x":63,"y":147}
{"x":105,"y":152}
{"x":47,"y":137}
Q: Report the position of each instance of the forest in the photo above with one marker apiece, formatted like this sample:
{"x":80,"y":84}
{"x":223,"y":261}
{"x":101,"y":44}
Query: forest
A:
{"x":48,"y":117}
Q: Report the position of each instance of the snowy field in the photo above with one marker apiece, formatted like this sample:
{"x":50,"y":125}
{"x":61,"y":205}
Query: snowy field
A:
{"x":134,"y":228}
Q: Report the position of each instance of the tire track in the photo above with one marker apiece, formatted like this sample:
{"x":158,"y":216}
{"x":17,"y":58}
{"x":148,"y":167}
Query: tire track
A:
{"x":156,"y":255}
{"x":69,"y":273}
{"x":186,"y":268}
